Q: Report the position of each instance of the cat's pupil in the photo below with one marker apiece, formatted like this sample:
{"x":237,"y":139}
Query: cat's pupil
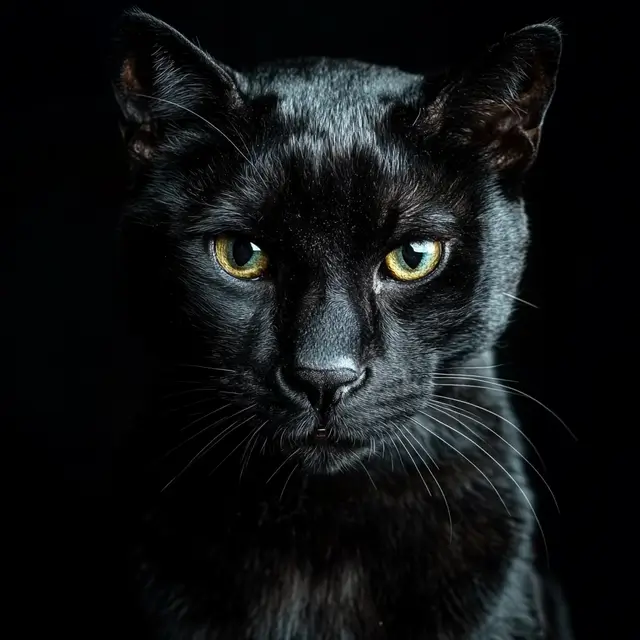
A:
{"x":411,"y":257}
{"x":242,"y":251}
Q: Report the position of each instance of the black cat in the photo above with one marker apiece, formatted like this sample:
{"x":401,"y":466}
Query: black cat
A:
{"x":320,"y":257}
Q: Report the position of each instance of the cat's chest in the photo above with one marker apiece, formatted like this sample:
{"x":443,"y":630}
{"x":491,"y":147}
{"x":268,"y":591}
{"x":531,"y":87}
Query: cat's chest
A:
{"x":256,"y":574}
{"x":279,"y":598}
{"x":296,"y":600}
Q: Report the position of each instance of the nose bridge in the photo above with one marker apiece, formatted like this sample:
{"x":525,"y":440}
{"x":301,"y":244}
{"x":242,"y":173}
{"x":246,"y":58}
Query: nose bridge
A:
{"x":330,"y":328}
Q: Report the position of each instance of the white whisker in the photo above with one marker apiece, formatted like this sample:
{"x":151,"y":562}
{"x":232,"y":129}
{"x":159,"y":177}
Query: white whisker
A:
{"x":230,"y":429}
{"x":520,"y":489}
{"x":293,"y":453}
{"x":476,"y":467}
{"x":424,"y":482}
{"x":484,"y":366}
{"x":472,"y":376}
{"x":530,"y":304}
{"x":206,"y":415}
{"x":434,"y":403}
{"x":495,"y":433}
{"x":204,"y":366}
{"x":286,"y":482}
{"x":497,"y":415}
{"x":243,"y":441}
{"x":517,"y":392}
{"x":444,"y":497}
{"x":368,"y":474}
{"x":249,"y":448}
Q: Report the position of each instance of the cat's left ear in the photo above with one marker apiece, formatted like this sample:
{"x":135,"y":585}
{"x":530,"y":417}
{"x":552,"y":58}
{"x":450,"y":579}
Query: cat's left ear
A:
{"x":498,"y":105}
{"x":163,"y":79}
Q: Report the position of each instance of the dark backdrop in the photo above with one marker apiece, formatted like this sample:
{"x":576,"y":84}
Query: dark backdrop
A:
{"x":61,"y":186}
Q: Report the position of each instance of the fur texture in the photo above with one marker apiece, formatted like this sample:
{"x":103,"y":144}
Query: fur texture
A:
{"x":402,"y":510}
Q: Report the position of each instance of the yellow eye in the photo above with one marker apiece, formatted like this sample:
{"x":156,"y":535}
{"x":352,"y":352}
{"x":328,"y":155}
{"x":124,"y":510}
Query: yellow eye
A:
{"x":240,"y":257}
{"x":414,"y":260}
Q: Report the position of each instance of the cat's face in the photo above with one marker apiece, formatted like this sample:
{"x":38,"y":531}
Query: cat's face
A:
{"x":332,"y":234}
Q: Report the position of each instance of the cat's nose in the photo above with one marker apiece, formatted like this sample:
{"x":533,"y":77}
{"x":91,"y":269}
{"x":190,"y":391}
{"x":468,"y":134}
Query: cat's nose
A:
{"x":325,"y":387}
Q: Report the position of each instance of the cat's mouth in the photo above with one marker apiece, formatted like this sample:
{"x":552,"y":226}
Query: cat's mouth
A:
{"x":325,"y":438}
{"x":326,"y":447}
{"x":320,"y":435}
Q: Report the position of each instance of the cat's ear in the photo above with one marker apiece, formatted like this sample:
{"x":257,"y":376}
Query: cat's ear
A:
{"x":162,"y":78}
{"x":498,"y":105}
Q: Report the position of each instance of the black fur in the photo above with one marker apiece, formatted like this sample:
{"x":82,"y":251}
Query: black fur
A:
{"x":381,"y":517}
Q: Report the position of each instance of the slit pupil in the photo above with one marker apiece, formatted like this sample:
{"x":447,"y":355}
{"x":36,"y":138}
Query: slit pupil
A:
{"x":412,"y":258}
{"x":242,"y":252}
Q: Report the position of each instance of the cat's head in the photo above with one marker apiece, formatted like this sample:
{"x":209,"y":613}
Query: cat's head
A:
{"x":327,"y":236}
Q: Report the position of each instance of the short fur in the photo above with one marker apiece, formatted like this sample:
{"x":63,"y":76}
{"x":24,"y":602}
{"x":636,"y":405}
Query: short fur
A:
{"x":412,"y":517}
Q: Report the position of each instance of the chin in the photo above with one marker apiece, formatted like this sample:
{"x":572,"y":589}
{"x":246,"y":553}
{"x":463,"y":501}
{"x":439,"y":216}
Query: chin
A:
{"x":326,"y":458}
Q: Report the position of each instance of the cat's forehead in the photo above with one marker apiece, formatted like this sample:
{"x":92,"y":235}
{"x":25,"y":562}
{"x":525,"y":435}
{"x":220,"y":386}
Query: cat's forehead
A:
{"x":337,"y":98}
{"x":324,"y":168}
{"x":316,"y":194}
{"x":316,"y":81}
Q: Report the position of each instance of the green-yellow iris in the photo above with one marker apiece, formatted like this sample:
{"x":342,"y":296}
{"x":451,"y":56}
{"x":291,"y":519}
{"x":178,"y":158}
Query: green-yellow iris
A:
{"x":414,"y":260}
{"x":240,"y":257}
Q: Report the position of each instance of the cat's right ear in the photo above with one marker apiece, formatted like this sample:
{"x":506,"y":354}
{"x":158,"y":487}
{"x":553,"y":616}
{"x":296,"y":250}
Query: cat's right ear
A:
{"x":162,"y":78}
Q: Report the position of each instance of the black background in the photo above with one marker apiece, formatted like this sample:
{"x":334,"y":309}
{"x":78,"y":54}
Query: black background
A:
{"x":62,"y":183}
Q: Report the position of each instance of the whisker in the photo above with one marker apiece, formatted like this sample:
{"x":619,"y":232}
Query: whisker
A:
{"x":424,"y":482}
{"x":206,"y":415}
{"x":207,"y":367}
{"x":472,"y":376}
{"x":368,"y":474}
{"x":517,"y":392}
{"x":293,"y":453}
{"x":408,"y":431}
{"x":484,"y":366}
{"x":240,"y":136}
{"x":195,"y":435}
{"x":444,"y":497}
{"x":399,"y":455}
{"x":224,"y":406}
{"x":462,"y":424}
{"x":286,"y":482}
{"x":244,"y":440}
{"x":208,"y":447}
{"x":220,"y":436}
{"x":497,"y":415}
{"x":193,"y":403}
{"x":519,"y":453}
{"x":249,"y":450}
{"x":530,"y":304}
{"x":183,"y":391}
{"x":478,"y":469}
{"x":520,"y":489}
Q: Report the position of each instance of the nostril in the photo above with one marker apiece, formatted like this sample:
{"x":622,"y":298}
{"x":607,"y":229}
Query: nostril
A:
{"x":324,"y":387}
{"x":347,"y":387}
